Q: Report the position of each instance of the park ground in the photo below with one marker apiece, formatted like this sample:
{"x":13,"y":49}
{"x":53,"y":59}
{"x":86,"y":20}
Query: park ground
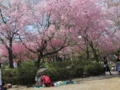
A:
{"x":103,"y":82}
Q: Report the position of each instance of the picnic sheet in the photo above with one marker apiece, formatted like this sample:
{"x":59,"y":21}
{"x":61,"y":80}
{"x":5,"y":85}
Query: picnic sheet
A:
{"x":59,"y":83}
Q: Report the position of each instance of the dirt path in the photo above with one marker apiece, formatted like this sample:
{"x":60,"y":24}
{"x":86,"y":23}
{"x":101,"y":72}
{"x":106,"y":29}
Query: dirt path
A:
{"x":107,"y":82}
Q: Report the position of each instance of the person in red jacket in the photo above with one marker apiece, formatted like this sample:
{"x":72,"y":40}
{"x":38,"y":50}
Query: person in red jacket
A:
{"x":46,"y":81}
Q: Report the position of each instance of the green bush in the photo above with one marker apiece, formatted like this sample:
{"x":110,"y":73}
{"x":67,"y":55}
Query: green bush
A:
{"x":52,"y":72}
{"x":9,"y":76}
{"x":23,"y":75}
{"x":94,"y":69}
{"x":79,"y":62}
{"x":57,"y":74}
{"x":62,"y":73}
{"x":27,"y":72}
{"x":77,"y":72}
{"x":60,"y":64}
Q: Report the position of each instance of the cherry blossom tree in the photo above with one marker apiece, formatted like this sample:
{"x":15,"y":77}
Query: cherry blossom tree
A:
{"x":57,"y":23}
{"x":48,"y":26}
{"x":50,"y":34}
{"x":9,"y":29}
{"x":112,"y":13}
{"x":91,"y":26}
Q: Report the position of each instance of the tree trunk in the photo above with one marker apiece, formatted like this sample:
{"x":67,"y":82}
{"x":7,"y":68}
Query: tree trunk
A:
{"x":10,"y":57}
{"x":10,"y":53}
{"x":87,"y":52}
{"x":95,"y":55}
{"x":94,"y":51}
{"x":38,"y":61}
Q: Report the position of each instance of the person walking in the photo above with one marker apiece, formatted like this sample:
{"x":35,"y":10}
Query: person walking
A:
{"x":106,"y":66}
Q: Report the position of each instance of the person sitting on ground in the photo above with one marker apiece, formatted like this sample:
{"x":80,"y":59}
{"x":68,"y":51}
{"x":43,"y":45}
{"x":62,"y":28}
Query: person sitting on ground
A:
{"x":106,"y":66}
{"x":38,"y":80}
{"x":6,"y":86}
{"x":46,"y":81}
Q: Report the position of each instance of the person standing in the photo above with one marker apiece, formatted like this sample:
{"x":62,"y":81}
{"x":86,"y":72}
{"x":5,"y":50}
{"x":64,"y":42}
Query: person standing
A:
{"x":118,"y":64}
{"x":106,"y":66}
{"x":15,"y":63}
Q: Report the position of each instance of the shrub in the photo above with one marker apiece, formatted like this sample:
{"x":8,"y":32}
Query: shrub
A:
{"x":77,"y":72}
{"x":94,"y":69}
{"x":23,"y":75}
{"x":57,"y":74}
{"x":26,"y":73}
{"x":60,"y":64}
{"x":9,"y":76}
{"x":52,"y":72}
